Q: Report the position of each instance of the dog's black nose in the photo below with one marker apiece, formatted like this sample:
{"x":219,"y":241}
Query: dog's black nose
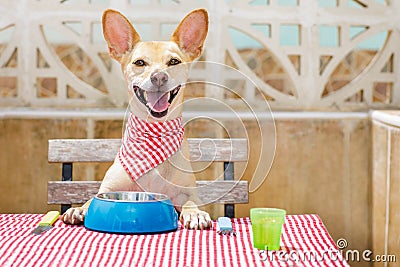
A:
{"x":159,"y":78}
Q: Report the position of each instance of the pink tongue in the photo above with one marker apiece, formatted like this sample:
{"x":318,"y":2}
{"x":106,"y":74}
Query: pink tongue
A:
{"x":157,"y":101}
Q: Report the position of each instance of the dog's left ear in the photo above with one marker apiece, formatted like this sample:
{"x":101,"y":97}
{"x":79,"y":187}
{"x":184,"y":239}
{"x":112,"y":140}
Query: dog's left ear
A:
{"x":191,"y":33}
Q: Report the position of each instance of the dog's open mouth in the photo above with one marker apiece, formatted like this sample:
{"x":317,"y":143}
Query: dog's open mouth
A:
{"x":156,"y":102}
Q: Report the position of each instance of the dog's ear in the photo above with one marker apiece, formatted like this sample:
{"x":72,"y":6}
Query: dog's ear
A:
{"x":119,"y":33}
{"x":191,"y":33}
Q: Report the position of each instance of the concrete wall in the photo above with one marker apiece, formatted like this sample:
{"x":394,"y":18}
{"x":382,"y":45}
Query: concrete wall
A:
{"x":386,"y":184}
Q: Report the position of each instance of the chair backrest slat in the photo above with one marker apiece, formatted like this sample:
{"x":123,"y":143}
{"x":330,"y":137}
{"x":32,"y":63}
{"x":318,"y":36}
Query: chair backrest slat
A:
{"x":105,"y":150}
{"x":78,"y":192}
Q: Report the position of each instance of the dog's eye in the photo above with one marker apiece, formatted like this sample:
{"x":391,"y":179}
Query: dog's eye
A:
{"x":173,"y":62}
{"x":139,"y":63}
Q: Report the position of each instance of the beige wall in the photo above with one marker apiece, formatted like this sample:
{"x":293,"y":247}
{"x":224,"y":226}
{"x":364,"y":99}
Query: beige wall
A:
{"x":321,"y":166}
{"x":386,"y":185}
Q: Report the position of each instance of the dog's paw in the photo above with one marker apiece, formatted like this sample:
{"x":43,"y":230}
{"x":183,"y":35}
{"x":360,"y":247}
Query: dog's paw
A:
{"x":74,"y":216}
{"x":194,"y":218}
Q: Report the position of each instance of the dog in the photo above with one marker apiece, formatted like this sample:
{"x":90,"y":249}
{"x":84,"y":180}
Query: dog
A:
{"x":155,"y":73}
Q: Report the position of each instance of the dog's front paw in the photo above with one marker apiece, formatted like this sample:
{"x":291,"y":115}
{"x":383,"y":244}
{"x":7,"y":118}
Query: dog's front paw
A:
{"x":193,"y":218}
{"x":74,"y":216}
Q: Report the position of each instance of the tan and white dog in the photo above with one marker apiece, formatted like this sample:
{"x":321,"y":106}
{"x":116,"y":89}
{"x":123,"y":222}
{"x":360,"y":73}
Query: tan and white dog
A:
{"x":154,"y":72}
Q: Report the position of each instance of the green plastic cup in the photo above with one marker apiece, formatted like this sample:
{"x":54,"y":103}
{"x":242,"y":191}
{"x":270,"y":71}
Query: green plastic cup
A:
{"x":267,"y":225}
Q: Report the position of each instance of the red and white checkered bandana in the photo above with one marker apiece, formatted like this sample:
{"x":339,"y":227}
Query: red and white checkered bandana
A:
{"x":148,"y":144}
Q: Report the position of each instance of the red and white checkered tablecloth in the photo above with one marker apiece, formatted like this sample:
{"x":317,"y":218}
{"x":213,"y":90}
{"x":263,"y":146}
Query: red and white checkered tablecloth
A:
{"x":66,"y":245}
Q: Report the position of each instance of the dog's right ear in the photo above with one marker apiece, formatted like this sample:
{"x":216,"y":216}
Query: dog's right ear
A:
{"x":119,"y":33}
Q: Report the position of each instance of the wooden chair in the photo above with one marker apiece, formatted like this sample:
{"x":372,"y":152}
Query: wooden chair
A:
{"x":69,"y":151}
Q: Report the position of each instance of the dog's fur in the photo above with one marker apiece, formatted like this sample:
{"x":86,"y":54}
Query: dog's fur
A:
{"x":144,"y":65}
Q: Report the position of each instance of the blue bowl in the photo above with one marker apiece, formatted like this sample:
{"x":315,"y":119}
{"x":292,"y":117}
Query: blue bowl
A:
{"x":131,"y":213}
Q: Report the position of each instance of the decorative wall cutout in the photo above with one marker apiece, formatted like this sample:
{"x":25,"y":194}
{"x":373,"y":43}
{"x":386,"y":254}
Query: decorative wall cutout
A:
{"x":8,"y":87}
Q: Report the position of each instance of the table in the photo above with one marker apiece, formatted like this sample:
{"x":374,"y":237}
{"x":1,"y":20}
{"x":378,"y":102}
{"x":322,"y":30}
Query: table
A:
{"x":66,"y":245}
